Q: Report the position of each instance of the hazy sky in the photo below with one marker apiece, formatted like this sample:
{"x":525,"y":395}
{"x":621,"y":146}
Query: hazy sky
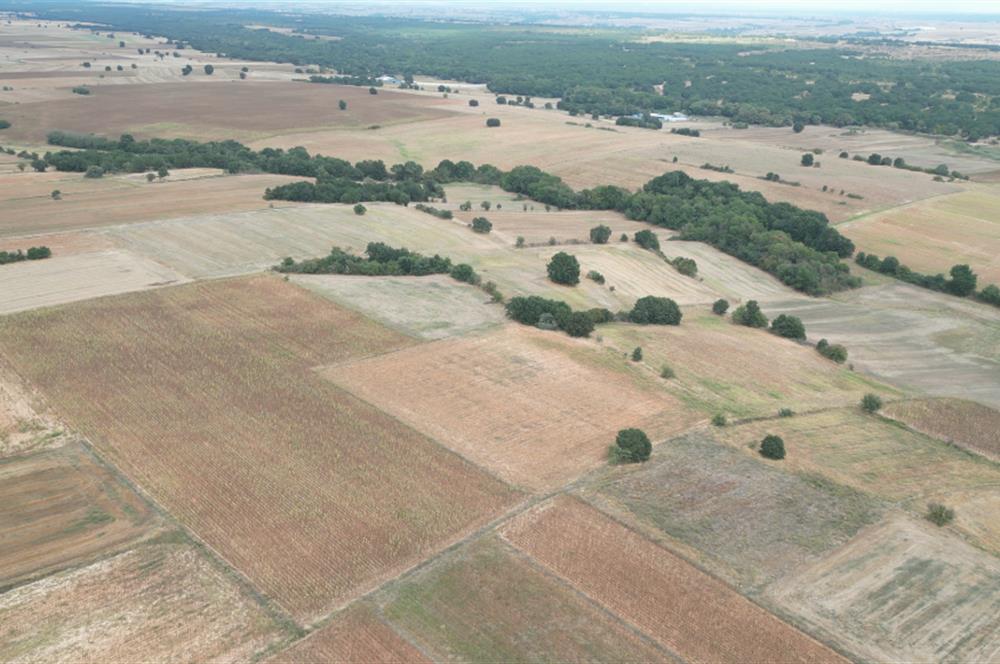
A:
{"x":795,"y":6}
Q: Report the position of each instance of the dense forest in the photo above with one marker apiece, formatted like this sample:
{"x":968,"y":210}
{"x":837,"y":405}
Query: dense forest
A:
{"x":606,"y":72}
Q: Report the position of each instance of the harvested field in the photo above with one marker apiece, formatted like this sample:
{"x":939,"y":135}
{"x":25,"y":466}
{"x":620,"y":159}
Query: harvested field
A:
{"x":726,"y":368}
{"x":203,"y":395}
{"x":488,"y":604}
{"x":687,"y":611}
{"x":695,"y":494}
{"x":62,"y":507}
{"x":89,"y":203}
{"x":534,"y":407}
{"x":205,"y":111}
{"x":357,"y":636}
{"x":933,"y":235}
{"x":157,"y":602}
{"x":902,"y":592}
{"x":62,"y":279}
{"x":932,"y":342}
{"x":967,"y":424}
{"x":432,"y":307}
{"x":887,"y":460}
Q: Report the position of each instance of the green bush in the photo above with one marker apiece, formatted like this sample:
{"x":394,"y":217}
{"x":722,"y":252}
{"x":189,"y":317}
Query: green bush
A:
{"x":464,"y":272}
{"x":481,"y":225}
{"x":720,"y":307}
{"x":579,"y":324}
{"x":871,"y":403}
{"x":637,"y":354}
{"x":834,"y":352}
{"x":600,"y":234}
{"x":666,"y":372}
{"x":652,"y":310}
{"x":772,"y":447}
{"x":631,"y":446}
{"x":786,"y":412}
{"x":686,"y":266}
{"x":749,"y":314}
{"x":595,"y":276}
{"x":647,"y":240}
{"x":719,"y":420}
{"x":790,"y":327}
{"x":564,"y":269}
{"x":493,"y":122}
{"x":360,"y":209}
{"x":939,"y":515}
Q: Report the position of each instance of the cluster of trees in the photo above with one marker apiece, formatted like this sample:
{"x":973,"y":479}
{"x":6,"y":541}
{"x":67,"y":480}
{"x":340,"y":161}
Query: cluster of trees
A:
{"x":686,"y":131}
{"x":380,"y":260}
{"x":437,"y":212}
{"x":361,"y":81}
{"x":830,"y":351}
{"x":645,"y":121}
{"x":875,"y":159}
{"x":33,"y":254}
{"x":961,"y":281}
{"x":555,"y":315}
{"x":686,"y":266}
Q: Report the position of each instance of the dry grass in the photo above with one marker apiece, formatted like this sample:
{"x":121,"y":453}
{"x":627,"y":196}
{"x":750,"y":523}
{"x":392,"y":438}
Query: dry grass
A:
{"x":902,"y":592}
{"x":62,"y":508}
{"x":694,"y":615}
{"x":485,"y":603}
{"x":158,"y":602}
{"x":202,"y":394}
{"x":966,"y":424}
{"x":537,"y":408}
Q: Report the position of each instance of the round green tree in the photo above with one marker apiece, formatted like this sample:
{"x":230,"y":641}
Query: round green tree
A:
{"x":772,"y":447}
{"x":652,"y":310}
{"x":600,"y":234}
{"x":632,"y":446}
{"x":871,"y":403}
{"x":564,"y":269}
{"x":720,"y":307}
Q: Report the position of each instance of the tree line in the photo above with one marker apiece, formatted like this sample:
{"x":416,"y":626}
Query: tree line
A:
{"x":32,"y":254}
{"x":960,"y":282}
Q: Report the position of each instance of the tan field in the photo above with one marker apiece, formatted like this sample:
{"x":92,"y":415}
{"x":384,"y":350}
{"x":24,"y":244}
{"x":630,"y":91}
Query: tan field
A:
{"x":933,"y":235}
{"x":182,"y":386}
{"x":695,"y":616}
{"x":902,"y":592}
{"x":967,"y":424}
{"x":159,"y":601}
{"x":534,"y":408}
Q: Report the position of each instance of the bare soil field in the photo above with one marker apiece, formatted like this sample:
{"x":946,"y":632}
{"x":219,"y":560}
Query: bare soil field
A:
{"x":687,"y":611}
{"x":89,"y":203}
{"x":932,"y":235}
{"x":202,"y":395}
{"x":25,"y":423}
{"x":156,"y":602}
{"x":918,"y":339}
{"x":903,"y":591}
{"x":536,"y":408}
{"x":356,"y":636}
{"x":486,"y":603}
{"x":694,"y":494}
{"x":882,"y":458}
{"x":60,"y":508}
{"x":731,"y":369}
{"x":967,"y":424}
{"x":84,"y":276}
{"x":432,"y":307}
{"x":208,"y":111}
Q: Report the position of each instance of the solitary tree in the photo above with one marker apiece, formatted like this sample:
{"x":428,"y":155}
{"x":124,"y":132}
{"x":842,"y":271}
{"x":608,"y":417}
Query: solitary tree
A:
{"x":647,"y":240}
{"x":637,"y":354}
{"x":473,"y":102}
{"x":564,"y":269}
{"x":772,"y":447}
{"x":798,"y":127}
{"x":939,"y":515}
{"x":652,"y":310}
{"x":209,"y":70}
{"x":342,"y":105}
{"x":720,"y":307}
{"x":372,"y":91}
{"x":600,"y":234}
{"x":790,"y":327}
{"x":486,"y":205}
{"x":749,"y":314}
{"x":360,"y":209}
{"x":481,"y":225}
{"x":162,"y":172}
{"x":871,"y":403}
{"x":56,"y":195}
{"x":807,"y":159}
{"x":493,"y":122}
{"x":631,"y":446}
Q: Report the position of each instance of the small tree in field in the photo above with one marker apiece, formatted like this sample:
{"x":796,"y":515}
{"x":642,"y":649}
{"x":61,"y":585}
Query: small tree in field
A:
{"x":807,"y":159}
{"x":631,"y":446}
{"x":600,"y":234}
{"x":718,"y":420}
{"x":493,"y":122}
{"x":871,"y":403}
{"x":150,"y":177}
{"x":652,"y":310}
{"x":209,"y":70}
{"x":772,"y":447}
{"x":564,"y":269}
{"x":790,"y":327}
{"x":939,"y":515}
{"x":360,"y":209}
{"x":481,"y":225}
{"x":647,"y":240}
{"x":749,"y":314}
{"x":637,"y":354}
{"x":162,"y":172}
{"x":486,"y":205}
{"x":473,"y":102}
{"x":56,"y":195}
{"x":720,"y":307}
{"x":342,"y":105}
{"x":372,"y":91}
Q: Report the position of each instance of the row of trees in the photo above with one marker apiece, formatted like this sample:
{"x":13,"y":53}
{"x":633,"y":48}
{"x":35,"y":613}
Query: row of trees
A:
{"x":961,"y":281}
{"x":380,"y":260}
{"x":32,"y":254}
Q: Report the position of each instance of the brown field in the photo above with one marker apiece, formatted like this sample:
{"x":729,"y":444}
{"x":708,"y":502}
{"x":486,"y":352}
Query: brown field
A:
{"x":903,"y":591}
{"x":693,"y":614}
{"x":966,"y":424}
{"x":157,"y":602}
{"x":890,"y":461}
{"x":721,"y":367}
{"x":694,"y":493}
{"x":62,"y":279}
{"x":933,"y":235}
{"x":202,"y":394}
{"x":88,"y":203}
{"x":206,"y":111}
{"x":356,"y":636}
{"x":486,"y":603}
{"x":62,"y":507}
{"x":534,"y":407}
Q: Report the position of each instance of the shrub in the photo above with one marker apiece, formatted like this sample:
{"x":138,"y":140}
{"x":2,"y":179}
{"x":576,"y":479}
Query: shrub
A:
{"x":631,"y":446}
{"x":473,"y":102}
{"x":647,"y":240}
{"x":209,"y":70}
{"x":666,"y":372}
{"x":519,"y":242}
{"x":493,"y":122}
{"x":38,"y":253}
{"x":600,"y":234}
{"x":94,"y":172}
{"x":594,"y":275}
{"x":360,"y":209}
{"x":990,"y":295}
{"x":786,"y":412}
{"x":81,"y":90}
{"x":464,"y":272}
{"x":547,"y":322}
{"x":579,"y":324}
{"x":772,"y":447}
{"x":871,"y":403}
{"x":719,"y":420}
{"x":564,"y":269}
{"x":834,"y":352}
{"x":686,"y":266}
{"x":939,"y":515}
{"x":749,"y":314}
{"x":600,"y":315}
{"x":481,"y":225}
{"x":652,"y":310}
{"x":637,"y":354}
{"x":623,"y":238}
{"x":790,"y":327}
{"x":720,"y":307}
{"x":528,"y":310}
